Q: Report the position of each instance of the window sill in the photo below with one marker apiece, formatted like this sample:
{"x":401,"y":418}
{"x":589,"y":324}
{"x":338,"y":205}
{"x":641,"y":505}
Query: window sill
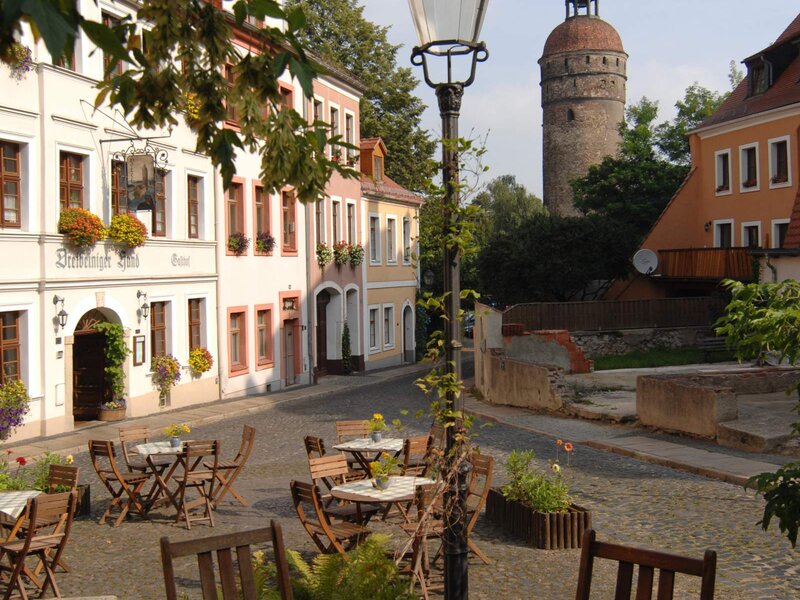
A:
{"x":779,"y":185}
{"x":238,"y":371}
{"x":270,"y":364}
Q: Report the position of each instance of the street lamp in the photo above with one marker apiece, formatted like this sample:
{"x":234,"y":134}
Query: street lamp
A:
{"x":450,"y":28}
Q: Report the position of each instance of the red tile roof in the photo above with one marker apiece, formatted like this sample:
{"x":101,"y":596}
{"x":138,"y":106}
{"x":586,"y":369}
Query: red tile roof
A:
{"x":583,"y":33}
{"x":792,"y":239}
{"x":783,"y":92}
{"x":389,"y":189}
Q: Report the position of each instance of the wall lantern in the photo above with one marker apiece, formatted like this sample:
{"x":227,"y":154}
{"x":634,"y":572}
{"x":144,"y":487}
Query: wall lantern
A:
{"x":144,"y":307}
{"x":61,"y":314}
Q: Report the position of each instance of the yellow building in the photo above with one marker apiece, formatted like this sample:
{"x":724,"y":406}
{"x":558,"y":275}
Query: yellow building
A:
{"x":390,"y":212}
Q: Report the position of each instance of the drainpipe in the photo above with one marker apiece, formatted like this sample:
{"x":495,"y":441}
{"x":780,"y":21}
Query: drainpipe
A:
{"x":218,"y":309}
{"x":309,"y":329}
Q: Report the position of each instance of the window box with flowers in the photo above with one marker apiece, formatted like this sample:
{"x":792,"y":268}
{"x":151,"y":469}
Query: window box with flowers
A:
{"x":238,"y":243}
{"x":81,"y":228}
{"x":749,"y":183}
{"x":356,"y":252}
{"x":265,"y":243}
{"x":723,"y":188}
{"x":200,"y":360}
{"x":776,"y":179}
{"x":341,"y":254}
{"x":324,"y":254}
{"x":127,"y":230}
{"x":536,"y":506}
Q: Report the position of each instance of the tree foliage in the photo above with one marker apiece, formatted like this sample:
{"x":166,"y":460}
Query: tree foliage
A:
{"x":178,"y":68}
{"x":505,"y":204}
{"x":337,"y":30}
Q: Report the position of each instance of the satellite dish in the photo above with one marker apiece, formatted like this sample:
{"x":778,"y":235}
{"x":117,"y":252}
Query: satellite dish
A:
{"x":645,"y":261}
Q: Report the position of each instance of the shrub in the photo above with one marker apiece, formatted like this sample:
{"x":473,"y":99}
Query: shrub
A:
{"x":265,"y":242}
{"x":115,"y":351}
{"x":82,"y":228}
{"x":324,"y":254}
{"x":127,"y":230}
{"x":341,"y":255}
{"x":238,"y":243}
{"x":347,"y":361}
{"x":14,"y":405}
{"x":200,"y":360}
{"x":540,"y":492}
{"x":356,"y":252}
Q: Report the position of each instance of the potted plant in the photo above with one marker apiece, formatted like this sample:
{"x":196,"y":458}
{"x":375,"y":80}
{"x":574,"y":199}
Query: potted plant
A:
{"x":21,"y":62}
{"x":115,"y":351}
{"x":381,"y":469}
{"x":174,"y":433}
{"x":537,"y":506}
{"x":376,"y":426}
{"x":14,"y":405}
{"x":324,"y":254}
{"x":238,"y":243}
{"x":341,"y":256}
{"x":265,"y":242}
{"x":112,"y":410}
{"x":200,"y":360}
{"x":356,"y":252}
{"x":82,"y":228}
{"x":127,"y":230}
{"x":166,"y":372}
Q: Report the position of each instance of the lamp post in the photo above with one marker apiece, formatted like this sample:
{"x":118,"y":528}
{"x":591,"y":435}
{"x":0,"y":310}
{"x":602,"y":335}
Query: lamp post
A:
{"x":450,"y":29}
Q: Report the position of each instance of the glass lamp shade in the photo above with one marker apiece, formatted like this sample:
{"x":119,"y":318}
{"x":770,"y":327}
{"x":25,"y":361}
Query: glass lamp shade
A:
{"x":448,"y":20}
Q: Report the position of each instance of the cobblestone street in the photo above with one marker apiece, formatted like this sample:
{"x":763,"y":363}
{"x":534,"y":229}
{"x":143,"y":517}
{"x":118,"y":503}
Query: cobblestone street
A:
{"x":631,"y":501}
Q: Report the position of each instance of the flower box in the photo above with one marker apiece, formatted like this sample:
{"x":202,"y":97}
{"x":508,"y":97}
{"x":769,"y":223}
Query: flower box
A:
{"x":547,"y":531}
{"x":111,"y":414}
{"x":83,"y":507}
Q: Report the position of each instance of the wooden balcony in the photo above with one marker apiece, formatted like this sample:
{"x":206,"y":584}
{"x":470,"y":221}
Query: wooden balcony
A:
{"x":706,"y":264}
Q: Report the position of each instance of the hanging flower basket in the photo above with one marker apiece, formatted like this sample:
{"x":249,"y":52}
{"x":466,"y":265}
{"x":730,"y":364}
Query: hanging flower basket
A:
{"x":166,"y":372}
{"x":341,"y":256}
{"x":127,"y":230}
{"x":14,"y":405}
{"x":21,"y":61}
{"x":200,"y":360}
{"x":356,"y":252}
{"x":82,"y":228}
{"x":324,"y":254}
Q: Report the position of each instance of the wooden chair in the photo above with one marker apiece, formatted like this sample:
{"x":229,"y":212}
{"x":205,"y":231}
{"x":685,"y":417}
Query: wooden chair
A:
{"x":315,"y":447}
{"x":416,"y":455}
{"x":46,"y":546}
{"x":200,"y":460}
{"x":62,"y":478}
{"x":332,"y":470}
{"x":479,"y":484}
{"x":348,"y":430}
{"x":328,"y":537}
{"x":125,"y":488}
{"x":225,"y":547}
{"x":438,"y":435}
{"x":427,"y":526}
{"x":138,"y":434}
{"x":229,"y":470}
{"x":648,"y":561}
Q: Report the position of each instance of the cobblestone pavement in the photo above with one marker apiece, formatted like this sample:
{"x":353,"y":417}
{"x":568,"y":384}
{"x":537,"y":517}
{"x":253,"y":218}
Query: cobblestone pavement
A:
{"x":632,"y":502}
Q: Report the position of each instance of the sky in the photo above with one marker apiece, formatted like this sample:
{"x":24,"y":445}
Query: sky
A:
{"x":670,"y":43}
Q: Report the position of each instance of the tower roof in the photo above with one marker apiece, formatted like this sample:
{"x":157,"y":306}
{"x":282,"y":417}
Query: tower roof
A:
{"x":583,"y":32}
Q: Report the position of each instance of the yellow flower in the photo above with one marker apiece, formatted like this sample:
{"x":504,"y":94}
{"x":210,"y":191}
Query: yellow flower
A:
{"x":385,"y":455}
{"x":559,"y":443}
{"x":377,"y":417}
{"x":556,"y":468}
{"x":69,"y":460}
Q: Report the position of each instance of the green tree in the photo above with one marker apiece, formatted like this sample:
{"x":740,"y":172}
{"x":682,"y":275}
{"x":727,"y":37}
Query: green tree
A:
{"x":338,"y":31}
{"x":156,"y":88}
{"x":347,"y":361}
{"x":698,"y":104}
{"x":762,"y":319}
{"x":506,"y":203}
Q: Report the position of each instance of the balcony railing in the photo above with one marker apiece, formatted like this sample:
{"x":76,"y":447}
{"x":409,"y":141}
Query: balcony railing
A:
{"x":706,"y":263}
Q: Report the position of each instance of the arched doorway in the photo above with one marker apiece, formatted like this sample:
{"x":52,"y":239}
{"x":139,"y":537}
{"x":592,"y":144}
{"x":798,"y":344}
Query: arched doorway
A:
{"x":408,"y":335}
{"x":88,"y":367}
{"x":323,"y":299}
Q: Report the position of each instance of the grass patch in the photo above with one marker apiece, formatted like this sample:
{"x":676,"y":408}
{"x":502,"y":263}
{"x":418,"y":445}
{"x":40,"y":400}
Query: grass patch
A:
{"x":659,"y":358}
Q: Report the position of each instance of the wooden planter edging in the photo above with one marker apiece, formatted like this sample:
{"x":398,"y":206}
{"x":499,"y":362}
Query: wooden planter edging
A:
{"x":548,"y":531}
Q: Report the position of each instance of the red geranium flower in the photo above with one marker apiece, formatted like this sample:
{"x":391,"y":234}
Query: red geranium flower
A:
{"x":21,"y":460}
{"x":568,"y":447}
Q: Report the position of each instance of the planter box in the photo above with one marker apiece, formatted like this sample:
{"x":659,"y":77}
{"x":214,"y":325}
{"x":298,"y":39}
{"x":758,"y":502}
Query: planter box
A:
{"x":83,"y":507}
{"x":548,"y":531}
{"x":110,"y":414}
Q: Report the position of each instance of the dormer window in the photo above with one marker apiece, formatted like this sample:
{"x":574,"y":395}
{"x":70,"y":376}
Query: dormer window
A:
{"x":759,"y":74}
{"x":377,"y":168}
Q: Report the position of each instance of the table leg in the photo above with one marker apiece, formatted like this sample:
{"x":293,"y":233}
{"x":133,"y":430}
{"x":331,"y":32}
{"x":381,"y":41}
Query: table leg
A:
{"x":162,"y":495}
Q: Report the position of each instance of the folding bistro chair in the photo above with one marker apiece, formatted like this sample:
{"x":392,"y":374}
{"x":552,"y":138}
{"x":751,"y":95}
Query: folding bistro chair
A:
{"x":125,"y":488}
{"x":349,"y":430}
{"x":229,"y":470}
{"x":225,"y":548}
{"x":62,"y":478}
{"x":200,"y":460}
{"x":479,"y":484}
{"x":426,"y":526}
{"x":416,"y":455}
{"x":332,"y":470}
{"x":315,"y":447}
{"x":138,"y":434}
{"x":438,"y":435}
{"x":329,"y":537}
{"x":648,"y":561}
{"x":46,"y":546}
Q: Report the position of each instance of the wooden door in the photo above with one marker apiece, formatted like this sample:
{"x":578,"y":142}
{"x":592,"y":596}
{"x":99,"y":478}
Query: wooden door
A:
{"x":323,"y":298}
{"x":88,"y":375}
{"x":289,"y":350}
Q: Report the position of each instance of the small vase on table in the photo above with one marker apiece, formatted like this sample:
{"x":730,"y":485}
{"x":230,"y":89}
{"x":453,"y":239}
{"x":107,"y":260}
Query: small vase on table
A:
{"x":376,"y":436}
{"x":381,"y":482}
{"x":175,"y":442}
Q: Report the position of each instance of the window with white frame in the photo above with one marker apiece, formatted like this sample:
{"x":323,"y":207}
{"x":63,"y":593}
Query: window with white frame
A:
{"x":351,"y":223}
{"x":349,"y":135}
{"x":336,"y":220}
{"x":334,"y":122}
{"x":10,"y":346}
{"x":391,"y":240}
{"x":779,"y":162}
{"x":11,"y":183}
{"x":748,"y":167}
{"x":72,"y":178}
{"x":751,"y":234}
{"x":374,"y":342}
{"x":374,"y":239}
{"x":388,"y":326}
{"x":159,"y":328}
{"x":406,"y":241}
{"x":723,"y":170}
{"x":779,"y":229}
{"x":723,"y":234}
{"x":319,"y":220}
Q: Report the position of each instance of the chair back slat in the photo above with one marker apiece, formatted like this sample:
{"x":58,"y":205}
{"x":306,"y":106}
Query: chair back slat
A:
{"x":416,"y":454}
{"x":333,"y":465}
{"x":479,"y":484}
{"x":129,"y":435}
{"x":223,"y":547}
{"x":65,"y":476}
{"x":438,"y":435}
{"x":315,"y":447}
{"x":648,"y":561}
{"x":346,"y":430}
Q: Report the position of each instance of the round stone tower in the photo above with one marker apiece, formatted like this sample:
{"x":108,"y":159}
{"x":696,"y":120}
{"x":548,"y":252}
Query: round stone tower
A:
{"x":583,"y":98}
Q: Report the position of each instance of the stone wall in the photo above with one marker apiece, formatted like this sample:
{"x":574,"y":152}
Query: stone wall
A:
{"x":614,"y":343}
{"x":515,"y":383}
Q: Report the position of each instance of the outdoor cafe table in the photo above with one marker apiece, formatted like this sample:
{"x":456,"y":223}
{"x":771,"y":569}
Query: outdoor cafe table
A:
{"x":364,"y":450}
{"x":153,"y":450}
{"x":400,"y":491}
{"x":12,"y":509}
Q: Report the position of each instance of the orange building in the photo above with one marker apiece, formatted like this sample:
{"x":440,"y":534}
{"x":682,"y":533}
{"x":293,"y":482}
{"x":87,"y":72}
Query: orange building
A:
{"x":742,"y":186}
